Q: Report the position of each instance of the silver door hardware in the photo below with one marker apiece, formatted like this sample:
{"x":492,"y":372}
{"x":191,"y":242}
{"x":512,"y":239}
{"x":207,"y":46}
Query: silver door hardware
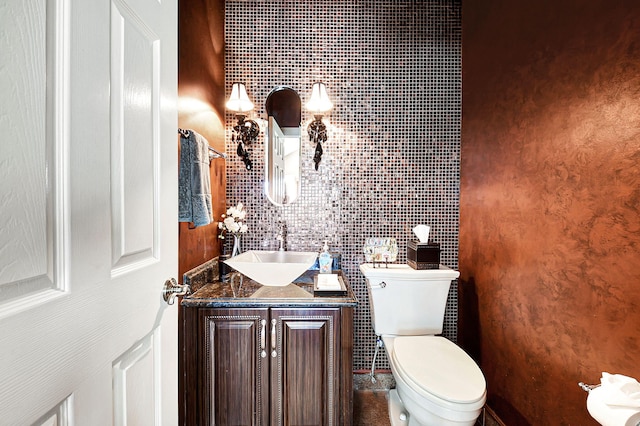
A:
{"x":172,"y":289}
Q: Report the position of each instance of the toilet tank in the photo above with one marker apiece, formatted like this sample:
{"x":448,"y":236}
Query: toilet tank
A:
{"x":407,"y":301}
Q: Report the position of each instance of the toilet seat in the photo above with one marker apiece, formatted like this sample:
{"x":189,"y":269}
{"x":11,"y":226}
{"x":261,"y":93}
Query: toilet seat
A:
{"x":436,"y":367}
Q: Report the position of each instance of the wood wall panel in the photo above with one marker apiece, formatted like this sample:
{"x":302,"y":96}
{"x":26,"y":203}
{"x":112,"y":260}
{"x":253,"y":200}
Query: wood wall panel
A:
{"x":201,"y":99}
{"x":550,"y":201}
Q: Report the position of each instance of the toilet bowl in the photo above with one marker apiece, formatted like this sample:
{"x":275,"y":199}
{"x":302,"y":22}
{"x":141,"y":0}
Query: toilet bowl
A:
{"x":437,"y":383}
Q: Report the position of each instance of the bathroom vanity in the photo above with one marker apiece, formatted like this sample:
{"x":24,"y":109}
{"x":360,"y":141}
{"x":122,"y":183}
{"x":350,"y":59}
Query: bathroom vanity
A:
{"x":255,"y":355}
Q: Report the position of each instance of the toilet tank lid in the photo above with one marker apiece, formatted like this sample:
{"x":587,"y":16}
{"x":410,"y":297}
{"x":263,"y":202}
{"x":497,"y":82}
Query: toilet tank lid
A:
{"x":406,"y":272}
{"x":439,"y":367}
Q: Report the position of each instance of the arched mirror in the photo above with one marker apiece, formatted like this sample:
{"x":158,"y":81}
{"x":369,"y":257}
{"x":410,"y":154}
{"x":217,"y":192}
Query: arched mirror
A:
{"x":282,"y":147}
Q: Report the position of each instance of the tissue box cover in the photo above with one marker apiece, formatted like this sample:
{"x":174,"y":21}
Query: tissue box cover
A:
{"x":423,"y":255}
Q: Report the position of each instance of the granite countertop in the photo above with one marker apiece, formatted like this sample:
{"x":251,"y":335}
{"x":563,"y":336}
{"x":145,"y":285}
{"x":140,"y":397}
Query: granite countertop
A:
{"x":241,"y":291}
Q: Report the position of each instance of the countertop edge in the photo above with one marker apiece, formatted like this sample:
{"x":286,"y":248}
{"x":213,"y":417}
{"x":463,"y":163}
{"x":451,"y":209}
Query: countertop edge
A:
{"x":212,"y":293}
{"x":257,"y":303}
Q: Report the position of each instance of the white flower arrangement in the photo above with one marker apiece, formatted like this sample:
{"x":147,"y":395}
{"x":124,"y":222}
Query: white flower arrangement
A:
{"x":232,"y":221}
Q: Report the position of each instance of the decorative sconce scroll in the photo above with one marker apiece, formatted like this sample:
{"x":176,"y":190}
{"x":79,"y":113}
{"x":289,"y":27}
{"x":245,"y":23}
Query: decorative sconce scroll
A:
{"x":318,"y":104}
{"x":245,"y":131}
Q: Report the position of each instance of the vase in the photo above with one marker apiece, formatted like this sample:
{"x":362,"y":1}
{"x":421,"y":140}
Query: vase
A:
{"x":236,"y":246}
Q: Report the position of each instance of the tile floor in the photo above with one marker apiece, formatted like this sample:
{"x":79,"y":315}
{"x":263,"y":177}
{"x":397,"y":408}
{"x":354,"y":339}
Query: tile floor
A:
{"x":370,"y":408}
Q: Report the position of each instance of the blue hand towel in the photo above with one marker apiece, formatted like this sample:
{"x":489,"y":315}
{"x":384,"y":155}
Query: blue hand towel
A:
{"x":194,"y":185}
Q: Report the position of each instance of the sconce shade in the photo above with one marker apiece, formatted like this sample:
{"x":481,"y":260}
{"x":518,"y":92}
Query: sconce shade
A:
{"x":239,"y":100}
{"x":319,"y":101}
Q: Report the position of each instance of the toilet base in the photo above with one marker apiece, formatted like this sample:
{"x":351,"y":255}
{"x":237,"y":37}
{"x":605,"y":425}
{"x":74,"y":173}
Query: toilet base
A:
{"x":397,"y":414}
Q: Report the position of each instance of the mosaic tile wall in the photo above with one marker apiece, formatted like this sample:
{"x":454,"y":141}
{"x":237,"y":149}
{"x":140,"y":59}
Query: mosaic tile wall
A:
{"x":392,"y":159}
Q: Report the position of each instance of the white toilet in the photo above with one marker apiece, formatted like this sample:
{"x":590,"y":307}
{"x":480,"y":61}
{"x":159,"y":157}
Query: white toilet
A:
{"x":437,"y":383}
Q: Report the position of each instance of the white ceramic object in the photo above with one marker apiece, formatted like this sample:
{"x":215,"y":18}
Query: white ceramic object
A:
{"x":272,"y":268}
{"x":411,"y":301}
{"x":437,"y":382}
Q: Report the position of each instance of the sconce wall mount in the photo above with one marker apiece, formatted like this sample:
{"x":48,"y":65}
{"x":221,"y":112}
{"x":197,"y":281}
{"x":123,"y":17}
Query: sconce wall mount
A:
{"x":318,"y":104}
{"x":317,"y":131}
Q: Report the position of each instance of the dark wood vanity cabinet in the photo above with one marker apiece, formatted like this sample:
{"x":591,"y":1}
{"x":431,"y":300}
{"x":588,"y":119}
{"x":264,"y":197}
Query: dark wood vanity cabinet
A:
{"x":268,"y":366}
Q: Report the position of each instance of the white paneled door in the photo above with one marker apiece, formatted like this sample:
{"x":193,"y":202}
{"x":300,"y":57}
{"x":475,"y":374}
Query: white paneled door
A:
{"x":88,"y":212}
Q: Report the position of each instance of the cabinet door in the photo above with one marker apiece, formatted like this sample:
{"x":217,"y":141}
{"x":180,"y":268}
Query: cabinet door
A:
{"x":235,"y":366}
{"x":305,"y":370}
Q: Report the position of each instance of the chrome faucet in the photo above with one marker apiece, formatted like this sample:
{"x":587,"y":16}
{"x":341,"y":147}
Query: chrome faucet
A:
{"x":281,"y":237}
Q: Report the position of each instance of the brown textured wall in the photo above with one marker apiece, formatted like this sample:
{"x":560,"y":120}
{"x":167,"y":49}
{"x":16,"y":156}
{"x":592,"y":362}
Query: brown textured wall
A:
{"x":201,"y":78}
{"x":550,"y":198}
{"x":201,"y":108}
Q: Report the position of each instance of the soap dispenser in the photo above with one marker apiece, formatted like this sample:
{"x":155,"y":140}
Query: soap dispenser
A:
{"x":325,"y":260}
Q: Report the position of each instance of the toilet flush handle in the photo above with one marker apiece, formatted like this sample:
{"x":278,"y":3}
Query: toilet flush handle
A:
{"x":381,"y":285}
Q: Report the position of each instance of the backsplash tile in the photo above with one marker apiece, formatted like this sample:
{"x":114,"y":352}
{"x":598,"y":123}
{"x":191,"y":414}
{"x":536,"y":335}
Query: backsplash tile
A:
{"x":392,"y":159}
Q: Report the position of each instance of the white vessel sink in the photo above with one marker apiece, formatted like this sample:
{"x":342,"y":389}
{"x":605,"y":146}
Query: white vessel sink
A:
{"x":272,"y":268}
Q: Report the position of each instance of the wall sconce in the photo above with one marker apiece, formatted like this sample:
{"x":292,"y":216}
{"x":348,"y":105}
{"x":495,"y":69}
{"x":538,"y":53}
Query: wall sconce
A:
{"x":245,"y":131}
{"x":318,"y":104}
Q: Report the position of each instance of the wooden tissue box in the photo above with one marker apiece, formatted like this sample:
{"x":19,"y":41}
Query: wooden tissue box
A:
{"x":423,"y":255}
